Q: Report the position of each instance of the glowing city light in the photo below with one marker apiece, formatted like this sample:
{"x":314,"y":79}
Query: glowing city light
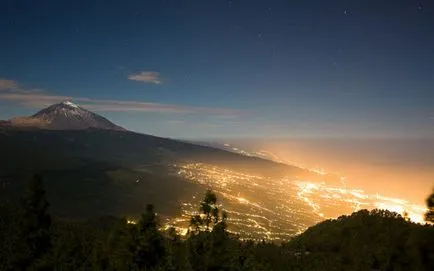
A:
{"x":260,"y":207}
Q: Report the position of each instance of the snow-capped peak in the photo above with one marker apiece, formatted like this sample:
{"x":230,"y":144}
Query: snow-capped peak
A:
{"x":68,"y":103}
{"x":69,"y":116}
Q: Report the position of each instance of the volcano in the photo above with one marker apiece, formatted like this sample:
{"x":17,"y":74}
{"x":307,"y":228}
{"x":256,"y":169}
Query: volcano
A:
{"x":64,"y":116}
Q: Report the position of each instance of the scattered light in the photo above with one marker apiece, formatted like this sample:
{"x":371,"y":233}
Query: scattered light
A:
{"x":243,"y":200}
{"x":282,"y":207}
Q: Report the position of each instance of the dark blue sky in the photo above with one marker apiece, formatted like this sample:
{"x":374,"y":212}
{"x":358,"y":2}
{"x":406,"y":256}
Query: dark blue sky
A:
{"x":209,"y":69}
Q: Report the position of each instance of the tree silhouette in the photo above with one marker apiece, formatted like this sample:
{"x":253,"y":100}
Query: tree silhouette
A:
{"x":195,"y":223}
{"x":209,"y":209}
{"x":35,"y":228}
{"x":150,"y":242}
{"x":429,"y":216}
{"x":365,"y":240}
{"x":121,"y":246}
{"x":406,"y":216}
{"x":173,"y":250}
{"x":209,"y":213}
{"x":208,"y":249}
{"x":11,"y":243}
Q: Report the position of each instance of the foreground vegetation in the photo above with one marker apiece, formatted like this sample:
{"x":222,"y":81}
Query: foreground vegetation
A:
{"x":367,"y":240}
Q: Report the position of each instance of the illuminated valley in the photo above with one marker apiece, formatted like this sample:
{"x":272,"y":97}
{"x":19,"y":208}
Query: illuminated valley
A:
{"x":275,"y":209}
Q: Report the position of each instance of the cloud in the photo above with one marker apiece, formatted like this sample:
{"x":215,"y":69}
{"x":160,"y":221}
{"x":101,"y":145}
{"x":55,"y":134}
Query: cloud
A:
{"x":150,"y":77}
{"x":11,"y":86}
{"x":36,"y":98}
{"x":175,"y":122}
{"x":6,"y":84}
{"x":135,"y":106}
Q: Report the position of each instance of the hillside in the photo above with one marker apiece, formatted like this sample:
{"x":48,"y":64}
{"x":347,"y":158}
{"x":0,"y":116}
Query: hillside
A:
{"x":92,"y":166}
{"x":369,"y":240}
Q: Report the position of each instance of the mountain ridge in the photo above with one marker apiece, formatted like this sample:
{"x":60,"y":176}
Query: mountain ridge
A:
{"x":69,"y":124}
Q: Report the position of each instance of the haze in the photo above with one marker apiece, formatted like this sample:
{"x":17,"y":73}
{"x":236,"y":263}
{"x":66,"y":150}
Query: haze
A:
{"x":402,"y":168}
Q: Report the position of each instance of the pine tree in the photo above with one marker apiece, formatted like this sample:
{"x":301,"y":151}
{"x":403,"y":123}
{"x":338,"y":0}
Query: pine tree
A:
{"x":209,"y":250}
{"x":11,"y":245}
{"x":429,"y":216}
{"x":121,"y":246}
{"x":150,"y":242}
{"x":36,"y":222}
{"x":195,"y":224}
{"x":174,"y":256}
{"x":209,"y":209}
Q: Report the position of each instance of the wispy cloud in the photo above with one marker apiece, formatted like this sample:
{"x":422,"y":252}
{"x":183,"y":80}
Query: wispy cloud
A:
{"x":150,"y":77}
{"x":11,"y":91}
{"x":175,"y":122}
{"x":6,"y":84}
{"x":11,"y":86}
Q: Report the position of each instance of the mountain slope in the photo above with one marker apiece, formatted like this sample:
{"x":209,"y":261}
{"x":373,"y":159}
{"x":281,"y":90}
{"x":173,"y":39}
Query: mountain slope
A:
{"x":96,"y":171}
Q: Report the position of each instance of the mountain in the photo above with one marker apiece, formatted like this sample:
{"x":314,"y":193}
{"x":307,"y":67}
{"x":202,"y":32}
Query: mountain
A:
{"x":92,"y":167}
{"x":64,"y":116}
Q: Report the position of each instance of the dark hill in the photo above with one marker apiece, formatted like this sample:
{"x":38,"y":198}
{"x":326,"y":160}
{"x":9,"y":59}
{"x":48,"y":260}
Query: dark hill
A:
{"x":94,"y":172}
{"x":368,"y":240}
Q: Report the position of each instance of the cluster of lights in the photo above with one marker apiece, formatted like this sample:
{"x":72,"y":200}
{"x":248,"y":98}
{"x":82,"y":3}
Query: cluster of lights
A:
{"x":246,"y":198}
{"x":315,"y":194}
{"x":262,"y":208}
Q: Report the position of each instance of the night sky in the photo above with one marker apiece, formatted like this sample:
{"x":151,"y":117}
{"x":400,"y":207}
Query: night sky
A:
{"x":214,"y":69}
